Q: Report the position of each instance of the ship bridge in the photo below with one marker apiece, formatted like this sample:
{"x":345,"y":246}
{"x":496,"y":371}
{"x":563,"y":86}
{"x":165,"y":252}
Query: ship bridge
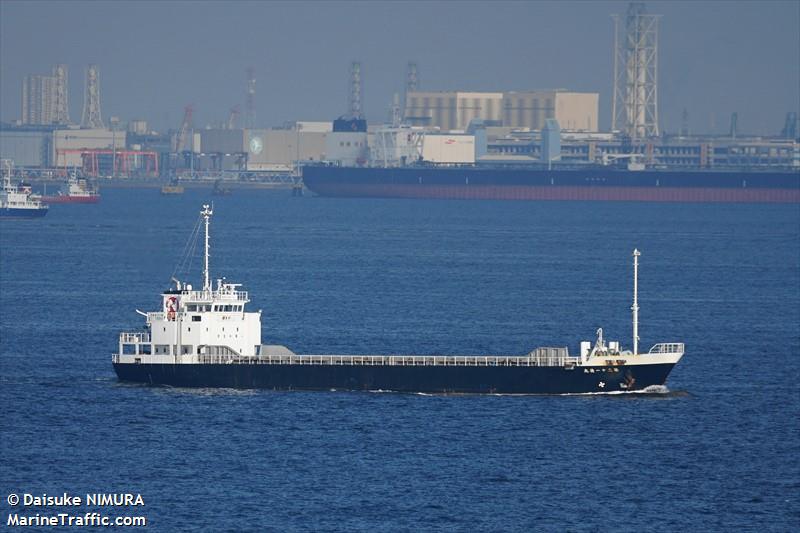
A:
{"x":193,"y":323}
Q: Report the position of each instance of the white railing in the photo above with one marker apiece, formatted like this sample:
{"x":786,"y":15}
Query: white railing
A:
{"x":546,"y":356}
{"x":208,"y":296}
{"x":667,"y":347}
{"x":134,"y":338}
{"x":554,"y":359}
{"x":217,"y":351}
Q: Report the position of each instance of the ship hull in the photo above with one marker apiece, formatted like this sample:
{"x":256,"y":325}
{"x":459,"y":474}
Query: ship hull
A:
{"x":415,"y":379}
{"x":11,"y":212}
{"x":71,"y":199}
{"x":595,"y":183}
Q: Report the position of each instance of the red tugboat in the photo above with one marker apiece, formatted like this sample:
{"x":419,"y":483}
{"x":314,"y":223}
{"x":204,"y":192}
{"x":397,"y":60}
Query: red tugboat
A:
{"x":74,"y":191}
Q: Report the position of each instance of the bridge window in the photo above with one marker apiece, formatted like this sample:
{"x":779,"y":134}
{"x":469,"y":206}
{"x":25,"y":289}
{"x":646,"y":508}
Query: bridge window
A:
{"x":162,"y":349}
{"x":128,"y":349}
{"x":145,"y":349}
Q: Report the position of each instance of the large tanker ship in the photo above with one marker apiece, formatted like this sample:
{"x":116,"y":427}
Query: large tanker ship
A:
{"x":207,"y":338}
{"x":582,"y":182}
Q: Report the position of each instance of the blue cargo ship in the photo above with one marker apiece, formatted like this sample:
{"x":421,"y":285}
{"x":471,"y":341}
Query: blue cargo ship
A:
{"x":206,"y":338}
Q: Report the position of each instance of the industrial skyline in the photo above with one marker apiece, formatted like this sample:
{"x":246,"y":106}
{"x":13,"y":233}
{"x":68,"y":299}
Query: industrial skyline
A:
{"x":716,"y":58}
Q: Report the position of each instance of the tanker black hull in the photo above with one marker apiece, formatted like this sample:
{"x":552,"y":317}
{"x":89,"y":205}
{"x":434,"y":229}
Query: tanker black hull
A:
{"x":590,"y":183}
{"x":419,"y":379}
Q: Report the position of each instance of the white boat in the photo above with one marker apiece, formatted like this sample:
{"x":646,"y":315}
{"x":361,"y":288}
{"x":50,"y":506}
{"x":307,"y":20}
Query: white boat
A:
{"x":18,"y":200}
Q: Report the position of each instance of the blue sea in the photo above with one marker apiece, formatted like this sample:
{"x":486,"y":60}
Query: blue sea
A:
{"x":718,"y":451}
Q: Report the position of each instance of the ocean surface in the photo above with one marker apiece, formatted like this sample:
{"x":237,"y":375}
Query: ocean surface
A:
{"x":717,"y":452}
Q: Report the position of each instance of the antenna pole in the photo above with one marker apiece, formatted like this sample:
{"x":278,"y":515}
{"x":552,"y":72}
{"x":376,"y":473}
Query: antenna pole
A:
{"x":635,"y":306}
{"x":206,"y":214}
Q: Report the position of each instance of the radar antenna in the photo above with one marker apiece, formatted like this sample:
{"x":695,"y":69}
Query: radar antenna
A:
{"x":206,"y":214}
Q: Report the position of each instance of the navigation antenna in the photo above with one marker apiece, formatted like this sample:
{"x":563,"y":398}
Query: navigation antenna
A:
{"x":206,"y":214}
{"x":635,"y":306}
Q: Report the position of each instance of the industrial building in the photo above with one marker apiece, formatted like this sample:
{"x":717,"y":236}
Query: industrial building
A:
{"x":573,"y":111}
{"x":27,"y":146}
{"x":450,"y":111}
{"x":261,"y":150}
{"x":69,"y":145}
{"x":518,"y":147}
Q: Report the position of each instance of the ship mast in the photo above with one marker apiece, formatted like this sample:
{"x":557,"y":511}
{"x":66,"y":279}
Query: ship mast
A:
{"x":206,"y":214}
{"x":635,"y":306}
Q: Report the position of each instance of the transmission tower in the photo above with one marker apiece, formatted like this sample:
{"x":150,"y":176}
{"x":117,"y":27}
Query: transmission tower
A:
{"x":395,"y":116}
{"x":250,"y":106}
{"x":412,"y":83}
{"x":91,"y":99}
{"x":412,"y":80}
{"x":233,"y":118}
{"x":355,"y":90}
{"x":182,"y":140}
{"x":61,"y":104}
{"x":635,"y":104}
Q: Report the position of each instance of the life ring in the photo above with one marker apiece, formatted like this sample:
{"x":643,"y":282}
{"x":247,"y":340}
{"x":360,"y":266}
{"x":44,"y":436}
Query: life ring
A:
{"x":171,"y":305}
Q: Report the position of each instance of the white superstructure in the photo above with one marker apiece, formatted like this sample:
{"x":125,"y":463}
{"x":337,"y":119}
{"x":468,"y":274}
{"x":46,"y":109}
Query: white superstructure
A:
{"x":18,"y":199}
{"x":193,"y":323}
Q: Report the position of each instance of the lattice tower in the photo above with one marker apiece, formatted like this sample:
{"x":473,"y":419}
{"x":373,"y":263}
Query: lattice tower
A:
{"x":355,"y":90}
{"x":91,"y":99}
{"x":182,"y":140}
{"x":61,"y":104}
{"x":635,"y":104}
{"x":250,"y":105}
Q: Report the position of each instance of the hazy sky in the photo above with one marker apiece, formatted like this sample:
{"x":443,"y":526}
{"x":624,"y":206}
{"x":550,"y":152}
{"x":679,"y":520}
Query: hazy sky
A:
{"x":155,"y":57}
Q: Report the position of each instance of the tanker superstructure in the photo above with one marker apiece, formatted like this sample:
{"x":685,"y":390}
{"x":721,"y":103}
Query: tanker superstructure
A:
{"x":207,"y":338}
